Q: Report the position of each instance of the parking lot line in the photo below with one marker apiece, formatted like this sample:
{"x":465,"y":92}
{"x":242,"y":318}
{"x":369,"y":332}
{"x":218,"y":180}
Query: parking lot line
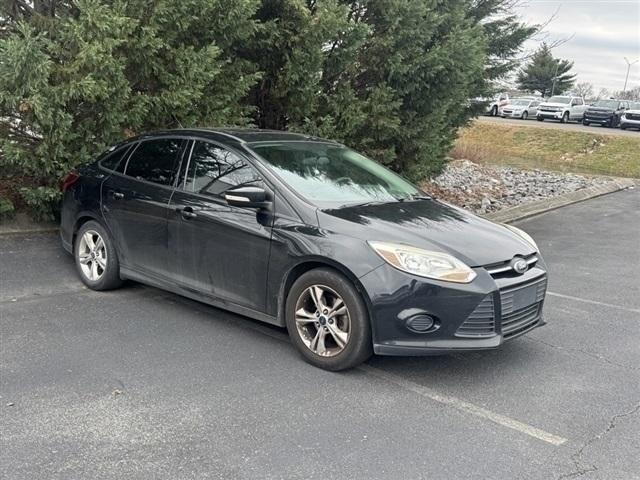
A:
{"x":465,"y":406}
{"x":453,"y":402}
{"x":593,"y":302}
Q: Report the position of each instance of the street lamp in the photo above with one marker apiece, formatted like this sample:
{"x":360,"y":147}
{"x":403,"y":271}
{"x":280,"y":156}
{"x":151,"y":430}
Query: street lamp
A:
{"x":628,"y":68}
{"x":555,"y":77}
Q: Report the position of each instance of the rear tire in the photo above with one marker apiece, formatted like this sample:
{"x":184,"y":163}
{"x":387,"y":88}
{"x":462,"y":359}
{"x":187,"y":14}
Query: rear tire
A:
{"x":540,"y":119}
{"x":328,"y":321}
{"x":96,"y":257}
{"x":585,"y":123}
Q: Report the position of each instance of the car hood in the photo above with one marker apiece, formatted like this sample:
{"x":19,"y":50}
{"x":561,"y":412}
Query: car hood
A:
{"x":558,"y":105}
{"x":600,"y":109}
{"x":634,"y":112}
{"x":431,"y":225}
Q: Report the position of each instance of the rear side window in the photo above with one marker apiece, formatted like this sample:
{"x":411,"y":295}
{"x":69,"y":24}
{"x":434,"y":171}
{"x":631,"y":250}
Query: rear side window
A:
{"x":155,"y":161}
{"x":213,"y":170}
{"x":112,"y":159}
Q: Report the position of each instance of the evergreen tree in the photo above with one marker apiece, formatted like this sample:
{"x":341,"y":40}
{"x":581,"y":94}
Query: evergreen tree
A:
{"x":391,"y":78}
{"x":546,"y":74}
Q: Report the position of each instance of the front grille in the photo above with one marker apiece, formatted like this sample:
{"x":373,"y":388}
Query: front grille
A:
{"x":597,"y":115}
{"x":549,"y":110}
{"x":481,"y":322}
{"x":632,"y":116}
{"x":508,"y":295}
{"x":517,"y":318}
{"x":521,"y":320}
{"x":503,"y":269}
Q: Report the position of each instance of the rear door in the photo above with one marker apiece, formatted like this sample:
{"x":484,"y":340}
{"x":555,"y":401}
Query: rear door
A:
{"x":135,"y":204}
{"x":219,"y":249}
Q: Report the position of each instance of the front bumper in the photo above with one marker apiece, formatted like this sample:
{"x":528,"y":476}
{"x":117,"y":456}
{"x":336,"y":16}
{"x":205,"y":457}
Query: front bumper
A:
{"x":599,"y":119}
{"x":512,"y":114}
{"x":627,"y":122}
{"x":476,"y":316}
{"x":551,"y":115}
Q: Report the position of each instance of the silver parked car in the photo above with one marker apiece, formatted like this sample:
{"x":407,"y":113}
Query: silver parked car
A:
{"x":521,"y":108}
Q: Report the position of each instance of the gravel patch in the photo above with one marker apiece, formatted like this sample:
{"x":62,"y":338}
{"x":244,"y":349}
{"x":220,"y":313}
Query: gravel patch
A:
{"x":487,"y":188}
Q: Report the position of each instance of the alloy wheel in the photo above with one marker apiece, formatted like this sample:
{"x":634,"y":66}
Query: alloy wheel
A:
{"x":322,"y":320}
{"x":92,"y":255}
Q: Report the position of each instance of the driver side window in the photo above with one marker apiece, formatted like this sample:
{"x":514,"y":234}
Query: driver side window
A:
{"x":214,"y":170}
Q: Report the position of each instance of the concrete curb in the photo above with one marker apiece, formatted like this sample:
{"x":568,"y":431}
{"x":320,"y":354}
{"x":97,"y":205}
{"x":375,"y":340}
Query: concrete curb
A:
{"x":23,"y":224}
{"x":536,"y":208}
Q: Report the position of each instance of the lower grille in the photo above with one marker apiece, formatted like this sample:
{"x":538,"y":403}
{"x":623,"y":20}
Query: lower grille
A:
{"x":521,"y":320}
{"x":481,"y":322}
{"x":522,"y":306}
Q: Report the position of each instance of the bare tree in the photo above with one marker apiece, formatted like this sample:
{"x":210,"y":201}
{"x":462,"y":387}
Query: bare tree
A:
{"x":584,"y":89}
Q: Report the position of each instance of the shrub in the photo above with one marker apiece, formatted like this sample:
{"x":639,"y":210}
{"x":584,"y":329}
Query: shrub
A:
{"x":43,"y":202}
{"x":7,"y":210}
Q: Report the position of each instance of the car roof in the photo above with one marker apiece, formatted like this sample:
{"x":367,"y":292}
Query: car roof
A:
{"x":239,"y":135}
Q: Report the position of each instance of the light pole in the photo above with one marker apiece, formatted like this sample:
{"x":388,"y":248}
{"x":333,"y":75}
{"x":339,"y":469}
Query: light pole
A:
{"x":628,"y":69}
{"x":555,"y":77}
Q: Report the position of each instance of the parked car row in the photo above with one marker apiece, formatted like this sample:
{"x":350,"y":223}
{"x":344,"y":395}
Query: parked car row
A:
{"x":567,"y":108}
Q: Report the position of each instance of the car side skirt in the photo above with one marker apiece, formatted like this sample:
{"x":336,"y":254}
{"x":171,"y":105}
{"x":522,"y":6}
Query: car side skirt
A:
{"x":130,"y":274}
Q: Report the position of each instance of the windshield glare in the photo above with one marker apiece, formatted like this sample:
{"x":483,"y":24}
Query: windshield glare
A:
{"x":606,"y":104}
{"x":559,"y":100}
{"x":333,"y":176}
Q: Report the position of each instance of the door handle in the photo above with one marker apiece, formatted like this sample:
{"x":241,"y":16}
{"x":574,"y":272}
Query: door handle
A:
{"x":117,"y":195}
{"x":187,"y":213}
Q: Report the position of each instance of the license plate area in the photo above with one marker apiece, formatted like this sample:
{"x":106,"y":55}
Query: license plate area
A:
{"x":524,"y":297}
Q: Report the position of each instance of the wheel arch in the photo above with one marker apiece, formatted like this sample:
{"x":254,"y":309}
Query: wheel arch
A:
{"x":81,"y":219}
{"x":312,"y":263}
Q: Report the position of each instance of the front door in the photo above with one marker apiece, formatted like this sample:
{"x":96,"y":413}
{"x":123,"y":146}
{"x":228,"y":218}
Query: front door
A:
{"x":135,"y":204}
{"x":219,"y":249}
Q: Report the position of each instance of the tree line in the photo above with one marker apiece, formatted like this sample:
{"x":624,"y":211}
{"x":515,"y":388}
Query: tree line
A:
{"x":390,"y":78}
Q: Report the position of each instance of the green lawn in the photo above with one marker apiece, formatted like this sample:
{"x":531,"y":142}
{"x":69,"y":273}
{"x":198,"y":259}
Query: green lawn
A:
{"x":550,"y":149}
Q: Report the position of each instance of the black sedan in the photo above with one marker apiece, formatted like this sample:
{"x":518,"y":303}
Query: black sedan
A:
{"x":306,"y":234}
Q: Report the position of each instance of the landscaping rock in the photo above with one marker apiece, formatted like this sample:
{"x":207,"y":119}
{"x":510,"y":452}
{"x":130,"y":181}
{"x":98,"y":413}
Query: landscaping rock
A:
{"x":488,"y":188}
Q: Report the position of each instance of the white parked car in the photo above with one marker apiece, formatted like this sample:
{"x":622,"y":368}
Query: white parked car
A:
{"x":521,"y":108}
{"x":497,"y":103}
{"x":631,"y":117}
{"x":563,"y":108}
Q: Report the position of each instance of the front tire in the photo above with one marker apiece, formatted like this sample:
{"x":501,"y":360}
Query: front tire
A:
{"x":525,"y":115}
{"x":540,"y":119}
{"x":96,"y":257}
{"x":328,"y":321}
{"x":565,"y":118}
{"x":494,"y":111}
{"x":585,"y":123}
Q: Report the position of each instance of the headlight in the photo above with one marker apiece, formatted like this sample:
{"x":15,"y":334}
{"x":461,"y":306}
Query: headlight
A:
{"x":522,"y":234}
{"x":424,"y":263}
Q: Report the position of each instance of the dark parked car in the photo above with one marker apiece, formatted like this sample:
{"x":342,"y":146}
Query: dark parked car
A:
{"x":304,"y":233}
{"x":605,"y":112}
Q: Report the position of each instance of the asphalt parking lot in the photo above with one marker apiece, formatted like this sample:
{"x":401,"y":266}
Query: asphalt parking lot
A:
{"x":572,"y":127}
{"x":139,"y":383}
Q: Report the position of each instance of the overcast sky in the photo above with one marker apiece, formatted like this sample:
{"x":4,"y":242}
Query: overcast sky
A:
{"x":604,"y":32}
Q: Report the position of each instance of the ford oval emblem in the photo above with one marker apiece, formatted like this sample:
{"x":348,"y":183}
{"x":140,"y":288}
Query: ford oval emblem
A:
{"x":519,"y":265}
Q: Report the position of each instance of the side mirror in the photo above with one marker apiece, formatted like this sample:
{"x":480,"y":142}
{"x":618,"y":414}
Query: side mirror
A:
{"x":247,"y":197}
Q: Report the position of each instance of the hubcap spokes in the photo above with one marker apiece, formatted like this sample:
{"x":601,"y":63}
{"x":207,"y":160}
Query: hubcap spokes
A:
{"x":322,"y":320}
{"x":92,"y":255}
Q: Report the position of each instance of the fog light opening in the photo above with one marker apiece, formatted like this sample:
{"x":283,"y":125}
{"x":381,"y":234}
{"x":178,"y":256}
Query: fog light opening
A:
{"x":421,"y":323}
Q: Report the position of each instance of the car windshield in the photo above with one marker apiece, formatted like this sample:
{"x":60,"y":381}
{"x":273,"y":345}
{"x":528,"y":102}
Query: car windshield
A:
{"x":559,"y":100}
{"x":333,"y":176}
{"x":606,"y":104}
{"x":521,"y":102}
